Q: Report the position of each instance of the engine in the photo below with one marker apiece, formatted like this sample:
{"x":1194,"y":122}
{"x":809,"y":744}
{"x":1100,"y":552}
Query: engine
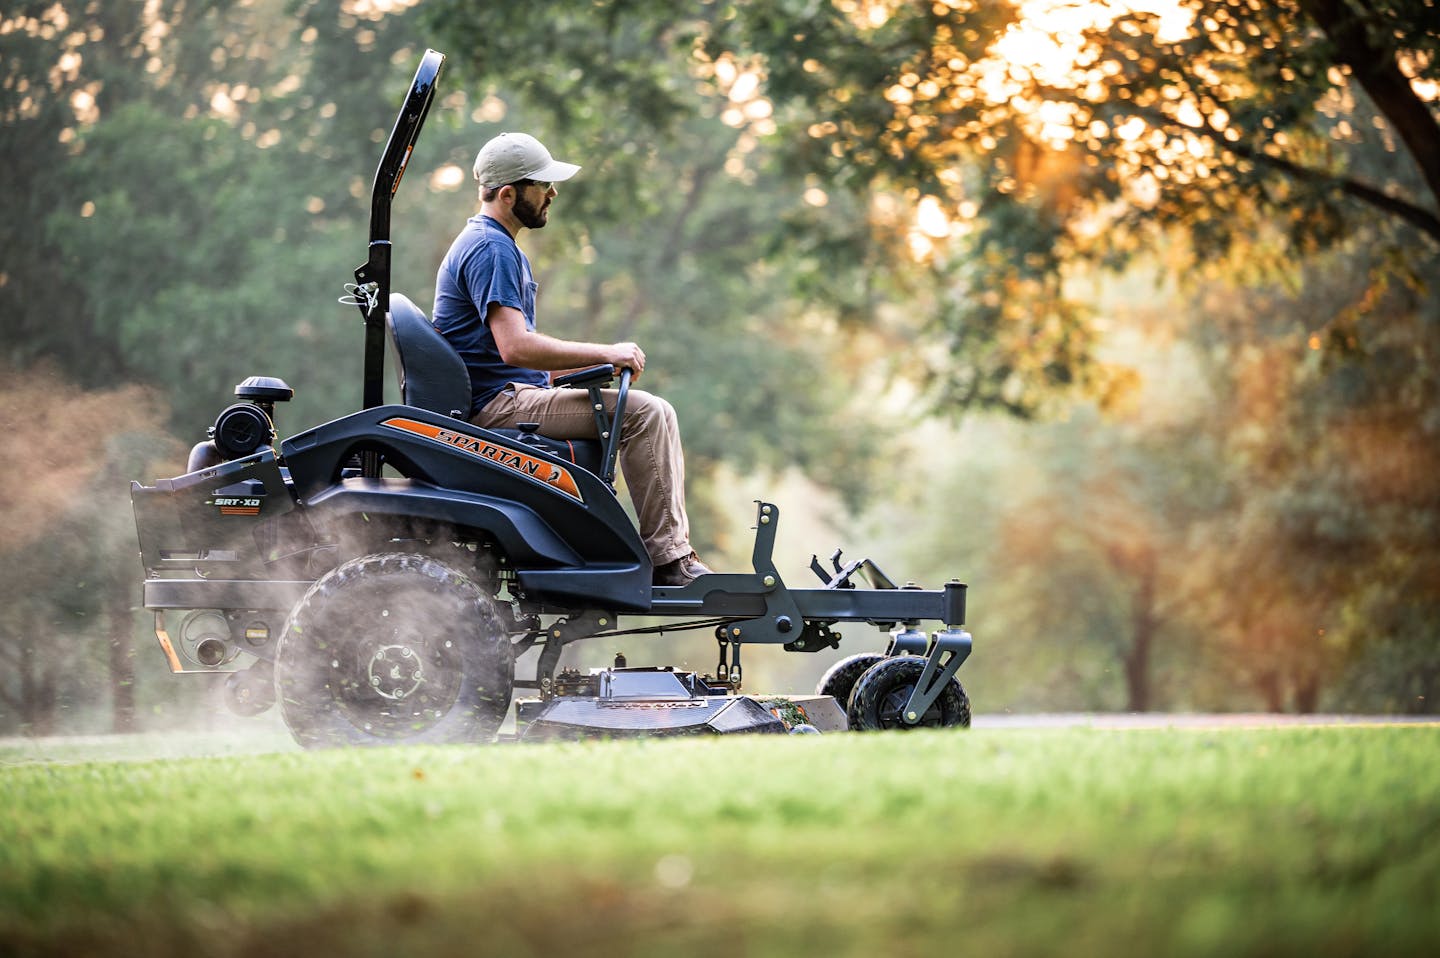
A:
{"x":242,"y":427}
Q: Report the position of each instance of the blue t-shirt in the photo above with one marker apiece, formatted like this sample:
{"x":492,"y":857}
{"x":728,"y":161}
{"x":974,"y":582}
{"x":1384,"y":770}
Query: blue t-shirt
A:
{"x":484,"y":266}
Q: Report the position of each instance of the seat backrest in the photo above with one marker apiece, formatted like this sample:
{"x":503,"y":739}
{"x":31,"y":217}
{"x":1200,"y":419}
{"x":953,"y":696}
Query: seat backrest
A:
{"x":431,"y":374}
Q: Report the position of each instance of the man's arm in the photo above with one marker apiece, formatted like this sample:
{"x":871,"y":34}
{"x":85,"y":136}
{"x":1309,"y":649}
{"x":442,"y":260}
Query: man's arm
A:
{"x":528,"y":349}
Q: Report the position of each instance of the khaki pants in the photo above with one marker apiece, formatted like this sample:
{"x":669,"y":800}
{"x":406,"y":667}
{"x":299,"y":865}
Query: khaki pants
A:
{"x":650,"y":453}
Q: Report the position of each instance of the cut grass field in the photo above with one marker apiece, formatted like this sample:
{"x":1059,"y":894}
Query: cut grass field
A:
{"x":1303,"y":841}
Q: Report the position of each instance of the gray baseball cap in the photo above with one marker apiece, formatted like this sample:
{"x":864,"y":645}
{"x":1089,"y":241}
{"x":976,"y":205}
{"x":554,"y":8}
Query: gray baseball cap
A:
{"x":511,"y":157}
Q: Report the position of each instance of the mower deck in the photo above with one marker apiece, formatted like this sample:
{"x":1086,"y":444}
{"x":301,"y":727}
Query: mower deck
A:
{"x":657,"y":702}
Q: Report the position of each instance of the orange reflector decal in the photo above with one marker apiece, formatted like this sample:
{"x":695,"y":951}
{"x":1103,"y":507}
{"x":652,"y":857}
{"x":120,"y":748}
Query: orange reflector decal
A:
{"x":400,"y":173}
{"x":165,"y":644}
{"x":547,"y":474}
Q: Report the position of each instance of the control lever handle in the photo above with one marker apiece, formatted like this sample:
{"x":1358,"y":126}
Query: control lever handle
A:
{"x":612,"y":435}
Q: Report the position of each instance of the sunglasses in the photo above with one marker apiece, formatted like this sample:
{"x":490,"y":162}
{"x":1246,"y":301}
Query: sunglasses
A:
{"x":543,"y":184}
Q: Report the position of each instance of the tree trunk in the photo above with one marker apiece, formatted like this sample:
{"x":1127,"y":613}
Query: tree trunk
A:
{"x":37,"y":691}
{"x":1426,"y":700}
{"x":29,"y":686}
{"x":1378,"y":73}
{"x":1307,"y":692}
{"x":1143,"y":625}
{"x":122,"y":660}
{"x":1267,"y":683}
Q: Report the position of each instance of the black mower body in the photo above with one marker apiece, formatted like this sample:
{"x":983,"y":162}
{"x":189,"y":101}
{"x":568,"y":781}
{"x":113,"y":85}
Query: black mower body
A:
{"x":554,"y":524}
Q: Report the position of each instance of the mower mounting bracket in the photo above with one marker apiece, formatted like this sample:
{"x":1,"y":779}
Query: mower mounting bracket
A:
{"x":950,"y":648}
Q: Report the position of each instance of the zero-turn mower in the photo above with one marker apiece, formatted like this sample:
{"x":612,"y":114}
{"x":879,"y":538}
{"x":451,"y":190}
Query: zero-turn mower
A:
{"x":381,"y":573}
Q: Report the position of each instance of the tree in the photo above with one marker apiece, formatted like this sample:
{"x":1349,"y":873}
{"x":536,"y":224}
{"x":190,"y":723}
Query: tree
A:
{"x":1102,"y":549}
{"x":1292,"y":146}
{"x":797,"y":203}
{"x":1067,"y":146}
{"x":66,"y":622}
{"x":1040,"y":137}
{"x":1329,"y":442}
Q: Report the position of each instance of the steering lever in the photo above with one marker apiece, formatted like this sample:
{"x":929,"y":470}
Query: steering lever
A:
{"x":611,"y":436}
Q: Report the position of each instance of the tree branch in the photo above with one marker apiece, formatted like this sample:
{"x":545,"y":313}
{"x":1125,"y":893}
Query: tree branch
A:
{"x":1376,"y":70}
{"x":1417,"y":216}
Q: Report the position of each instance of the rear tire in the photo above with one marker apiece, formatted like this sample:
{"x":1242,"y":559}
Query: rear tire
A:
{"x":839,"y":681}
{"x":392,"y":649}
{"x":882,"y":692}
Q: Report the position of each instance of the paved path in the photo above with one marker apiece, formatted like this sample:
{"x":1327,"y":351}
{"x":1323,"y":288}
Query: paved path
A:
{"x":1192,"y":720}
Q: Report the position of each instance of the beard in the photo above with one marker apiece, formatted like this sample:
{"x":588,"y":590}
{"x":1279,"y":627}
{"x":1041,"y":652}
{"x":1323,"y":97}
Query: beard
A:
{"x":530,"y":215}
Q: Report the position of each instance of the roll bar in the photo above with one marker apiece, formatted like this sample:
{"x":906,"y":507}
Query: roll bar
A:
{"x":373,"y":278}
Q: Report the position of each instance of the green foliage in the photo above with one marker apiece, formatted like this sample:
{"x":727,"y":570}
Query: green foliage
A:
{"x":1263,"y":93}
{"x":1294,"y":120}
{"x":678,"y":235}
{"x":198,"y":271}
{"x":1181,"y":842}
{"x":211,"y":212}
{"x":597,"y":81}
{"x":176,"y":232}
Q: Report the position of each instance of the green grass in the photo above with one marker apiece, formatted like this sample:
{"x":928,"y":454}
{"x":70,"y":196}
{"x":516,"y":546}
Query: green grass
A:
{"x":1310,"y":841}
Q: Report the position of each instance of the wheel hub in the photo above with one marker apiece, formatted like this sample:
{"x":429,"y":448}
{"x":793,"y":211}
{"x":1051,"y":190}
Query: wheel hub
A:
{"x":892,"y":709}
{"x":395,"y":672}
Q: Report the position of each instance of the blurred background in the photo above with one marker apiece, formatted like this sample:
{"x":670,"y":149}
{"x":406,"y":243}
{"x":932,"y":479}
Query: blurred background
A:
{"x":1123,"y":313}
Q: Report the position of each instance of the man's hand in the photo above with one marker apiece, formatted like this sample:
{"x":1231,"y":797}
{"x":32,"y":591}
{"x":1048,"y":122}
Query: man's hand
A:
{"x":627,"y":356}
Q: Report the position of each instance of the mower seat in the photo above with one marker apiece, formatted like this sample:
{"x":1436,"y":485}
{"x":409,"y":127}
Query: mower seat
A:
{"x":433,"y":376}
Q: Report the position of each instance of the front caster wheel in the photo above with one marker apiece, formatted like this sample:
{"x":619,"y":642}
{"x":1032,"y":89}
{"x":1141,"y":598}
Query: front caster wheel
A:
{"x":390,"y":649}
{"x":881,"y":693}
{"x":839,"y":680}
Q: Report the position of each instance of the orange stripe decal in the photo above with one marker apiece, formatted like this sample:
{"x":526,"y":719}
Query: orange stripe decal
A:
{"x":538,"y":470}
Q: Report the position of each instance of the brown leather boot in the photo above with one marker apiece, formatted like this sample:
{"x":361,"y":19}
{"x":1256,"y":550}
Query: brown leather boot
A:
{"x":681,"y":571}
